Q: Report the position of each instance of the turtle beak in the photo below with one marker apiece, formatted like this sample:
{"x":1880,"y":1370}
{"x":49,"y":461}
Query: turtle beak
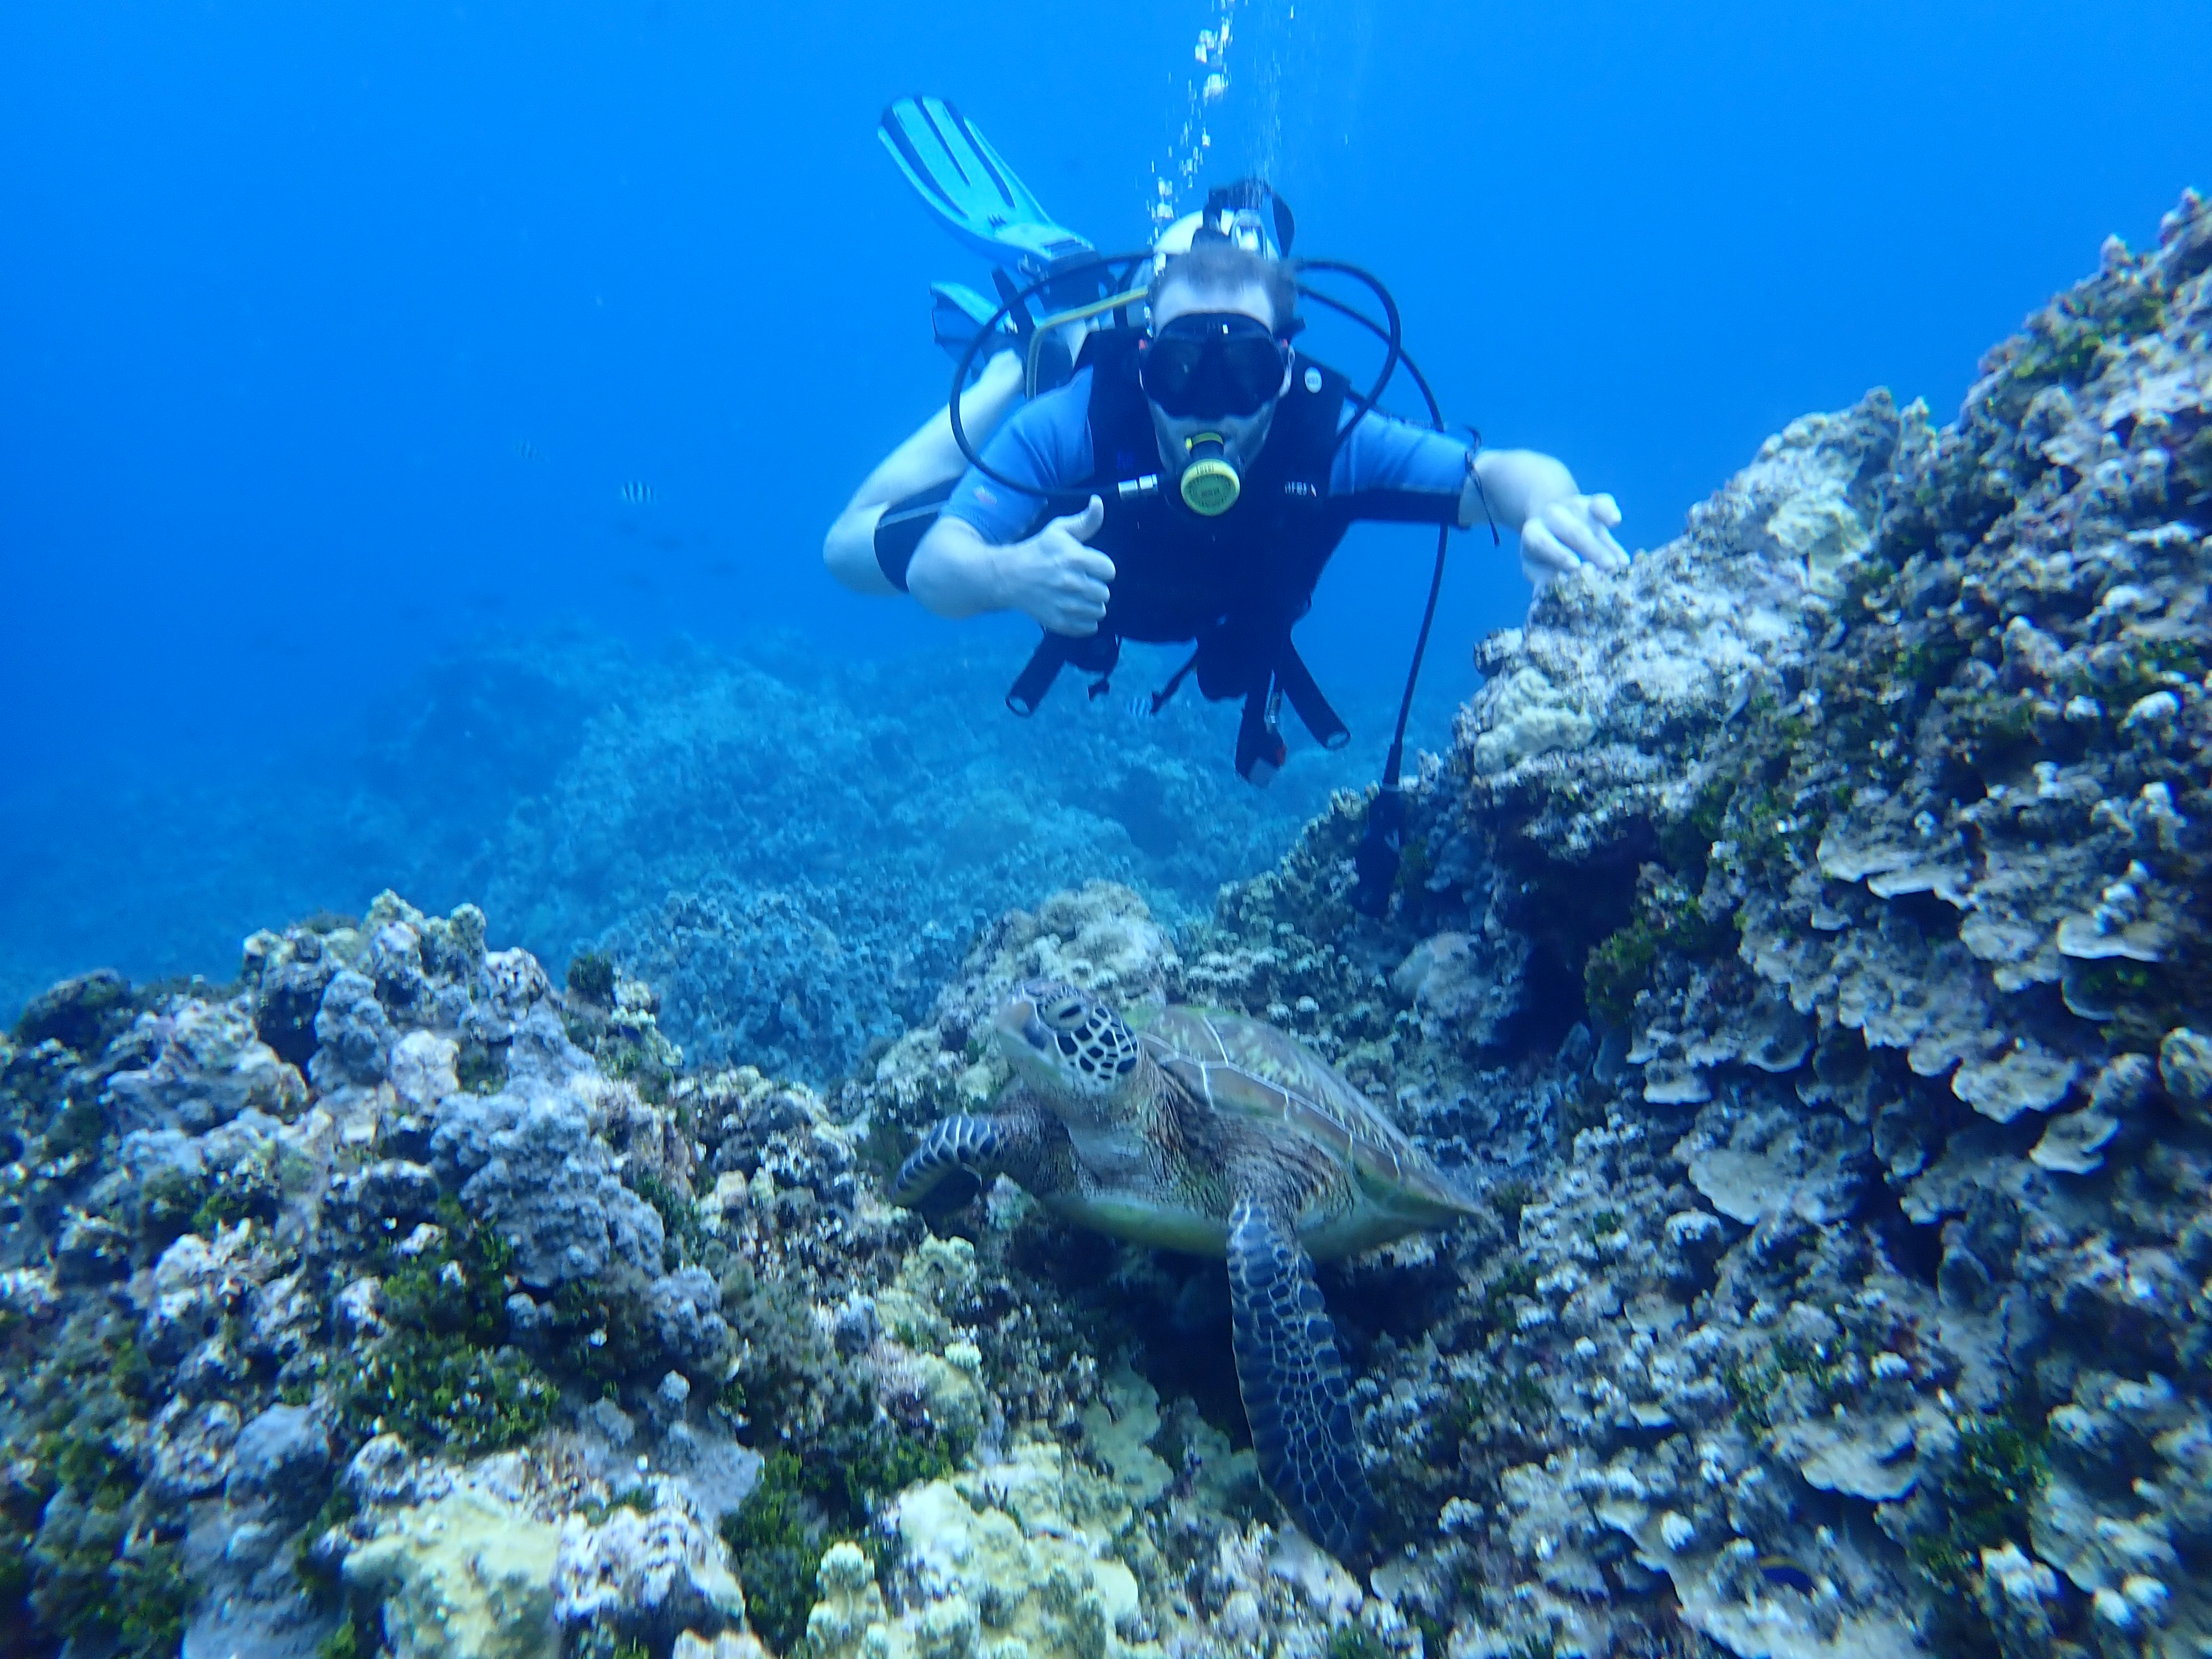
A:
{"x":1019,"y":1020}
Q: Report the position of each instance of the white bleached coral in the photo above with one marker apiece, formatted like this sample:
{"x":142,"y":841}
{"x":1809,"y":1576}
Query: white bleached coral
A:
{"x":1020,"y":1545}
{"x":467,"y":1575}
{"x":1592,"y":712}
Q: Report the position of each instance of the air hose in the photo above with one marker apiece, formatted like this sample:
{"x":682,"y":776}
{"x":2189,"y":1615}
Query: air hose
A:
{"x":1375,"y":862}
{"x":989,"y":331}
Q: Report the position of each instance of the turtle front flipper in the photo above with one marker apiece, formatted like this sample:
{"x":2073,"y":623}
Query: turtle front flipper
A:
{"x":981,"y":1145}
{"x":1296,"y":1397}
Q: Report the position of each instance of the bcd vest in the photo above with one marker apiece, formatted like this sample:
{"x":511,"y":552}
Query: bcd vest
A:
{"x":1234,"y":585}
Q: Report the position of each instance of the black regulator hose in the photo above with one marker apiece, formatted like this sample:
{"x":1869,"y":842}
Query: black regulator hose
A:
{"x":1391,"y":332}
{"x":1375,"y":862}
{"x":1105,"y":262}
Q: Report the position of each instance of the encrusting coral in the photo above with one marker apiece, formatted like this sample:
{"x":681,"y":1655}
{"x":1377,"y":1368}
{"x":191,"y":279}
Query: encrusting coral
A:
{"x":1868,"y":811}
{"x":1801,"y":948}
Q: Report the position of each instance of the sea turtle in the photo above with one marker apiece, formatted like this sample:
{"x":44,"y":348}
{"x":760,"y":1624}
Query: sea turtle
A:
{"x":1210,"y":1133}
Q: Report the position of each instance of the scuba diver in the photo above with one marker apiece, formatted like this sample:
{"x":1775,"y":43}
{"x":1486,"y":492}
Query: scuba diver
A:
{"x":1146,"y":455}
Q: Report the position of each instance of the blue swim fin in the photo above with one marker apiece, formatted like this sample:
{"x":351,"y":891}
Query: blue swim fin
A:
{"x":954,"y":169}
{"x":957,"y":315}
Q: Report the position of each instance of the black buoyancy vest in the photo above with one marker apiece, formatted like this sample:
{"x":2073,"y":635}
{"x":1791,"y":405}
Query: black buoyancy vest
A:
{"x":1234,"y":585}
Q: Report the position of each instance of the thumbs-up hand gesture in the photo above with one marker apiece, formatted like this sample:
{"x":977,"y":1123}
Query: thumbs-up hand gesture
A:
{"x":1057,"y":580}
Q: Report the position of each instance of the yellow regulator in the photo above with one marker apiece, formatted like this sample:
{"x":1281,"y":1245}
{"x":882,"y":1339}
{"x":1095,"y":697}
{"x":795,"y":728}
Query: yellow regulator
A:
{"x":1210,"y":484}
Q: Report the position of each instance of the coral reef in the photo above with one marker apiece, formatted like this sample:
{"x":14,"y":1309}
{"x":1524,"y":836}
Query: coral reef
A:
{"x":821,"y":856}
{"x":1800,"y":948}
{"x":273,"y":1323}
{"x":1857,"y":1309}
{"x":792,"y":846}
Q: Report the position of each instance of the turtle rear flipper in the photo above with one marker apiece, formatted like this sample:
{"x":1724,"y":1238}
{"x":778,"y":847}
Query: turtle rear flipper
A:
{"x":1296,"y":1397}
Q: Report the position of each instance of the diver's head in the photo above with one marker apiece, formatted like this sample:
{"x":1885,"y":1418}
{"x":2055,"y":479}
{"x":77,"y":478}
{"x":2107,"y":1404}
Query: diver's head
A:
{"x":1217,"y":357}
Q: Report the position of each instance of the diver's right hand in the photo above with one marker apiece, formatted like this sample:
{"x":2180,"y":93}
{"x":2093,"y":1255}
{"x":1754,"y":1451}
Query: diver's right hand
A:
{"x":1055,"y":579}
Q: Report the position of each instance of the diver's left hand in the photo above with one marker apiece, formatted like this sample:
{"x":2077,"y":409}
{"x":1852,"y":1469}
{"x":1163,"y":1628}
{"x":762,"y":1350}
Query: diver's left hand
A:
{"x":1574,"y":530}
{"x":1559,"y":527}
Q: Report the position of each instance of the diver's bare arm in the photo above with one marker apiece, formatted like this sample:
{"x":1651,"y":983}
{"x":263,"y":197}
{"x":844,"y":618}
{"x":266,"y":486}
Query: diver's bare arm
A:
{"x":1537,"y":498}
{"x":1052,"y":576}
{"x":1511,"y":480}
{"x":930,"y":456}
{"x":956,"y":572}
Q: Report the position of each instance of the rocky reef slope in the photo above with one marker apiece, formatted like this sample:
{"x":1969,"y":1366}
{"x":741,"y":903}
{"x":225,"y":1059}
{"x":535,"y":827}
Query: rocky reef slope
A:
{"x":1860,"y":1306}
{"x":1800,"y":946}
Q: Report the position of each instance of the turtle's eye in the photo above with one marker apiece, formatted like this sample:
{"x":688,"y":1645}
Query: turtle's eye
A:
{"x":1068,"y":1012}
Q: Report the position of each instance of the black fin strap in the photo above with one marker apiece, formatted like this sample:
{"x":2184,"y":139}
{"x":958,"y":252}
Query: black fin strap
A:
{"x":1017,"y":312}
{"x":1045,"y":662}
{"x":1165,"y":695}
{"x":1297,"y":680}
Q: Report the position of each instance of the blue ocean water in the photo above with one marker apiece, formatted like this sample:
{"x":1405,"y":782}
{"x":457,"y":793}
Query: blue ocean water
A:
{"x":399,"y":399}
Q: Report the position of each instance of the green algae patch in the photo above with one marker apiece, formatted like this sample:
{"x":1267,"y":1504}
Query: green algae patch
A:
{"x":441,"y":1378}
{"x":777,"y":1551}
{"x":1668,"y":921}
{"x":802,"y":1507}
{"x":445,"y":1395}
{"x":592,"y":976}
{"x":682,"y":1233}
{"x":2001,"y":1467}
{"x":344,"y":1643}
{"x":1618,"y":967}
{"x":84,"y":1545}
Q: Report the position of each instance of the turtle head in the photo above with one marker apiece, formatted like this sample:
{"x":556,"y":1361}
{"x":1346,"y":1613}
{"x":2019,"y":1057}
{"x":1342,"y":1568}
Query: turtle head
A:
{"x":1067,"y":1044}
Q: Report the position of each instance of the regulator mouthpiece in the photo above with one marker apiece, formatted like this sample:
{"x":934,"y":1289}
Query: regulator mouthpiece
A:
{"x":1210,"y":484}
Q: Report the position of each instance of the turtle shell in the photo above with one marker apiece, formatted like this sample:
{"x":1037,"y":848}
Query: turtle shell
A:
{"x":1246,"y":1068}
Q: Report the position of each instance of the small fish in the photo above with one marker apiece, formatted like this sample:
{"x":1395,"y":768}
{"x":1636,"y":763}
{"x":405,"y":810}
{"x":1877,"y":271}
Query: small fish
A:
{"x":1786,"y":1574}
{"x":637,"y":495}
{"x":523,"y":450}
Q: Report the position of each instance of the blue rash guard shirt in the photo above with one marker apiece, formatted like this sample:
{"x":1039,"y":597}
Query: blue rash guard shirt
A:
{"x":1403,"y":471}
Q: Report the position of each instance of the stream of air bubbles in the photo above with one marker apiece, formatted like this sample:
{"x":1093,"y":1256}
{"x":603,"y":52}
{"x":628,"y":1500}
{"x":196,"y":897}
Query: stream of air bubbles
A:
{"x":1251,"y":60}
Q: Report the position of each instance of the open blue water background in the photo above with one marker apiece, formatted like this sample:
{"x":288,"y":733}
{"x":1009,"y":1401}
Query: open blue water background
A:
{"x":329,"y":335}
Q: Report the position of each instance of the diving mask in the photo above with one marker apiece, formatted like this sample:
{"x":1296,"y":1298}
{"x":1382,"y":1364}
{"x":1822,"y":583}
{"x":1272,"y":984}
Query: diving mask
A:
{"x":1212,"y":379}
{"x":1213,"y":362}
